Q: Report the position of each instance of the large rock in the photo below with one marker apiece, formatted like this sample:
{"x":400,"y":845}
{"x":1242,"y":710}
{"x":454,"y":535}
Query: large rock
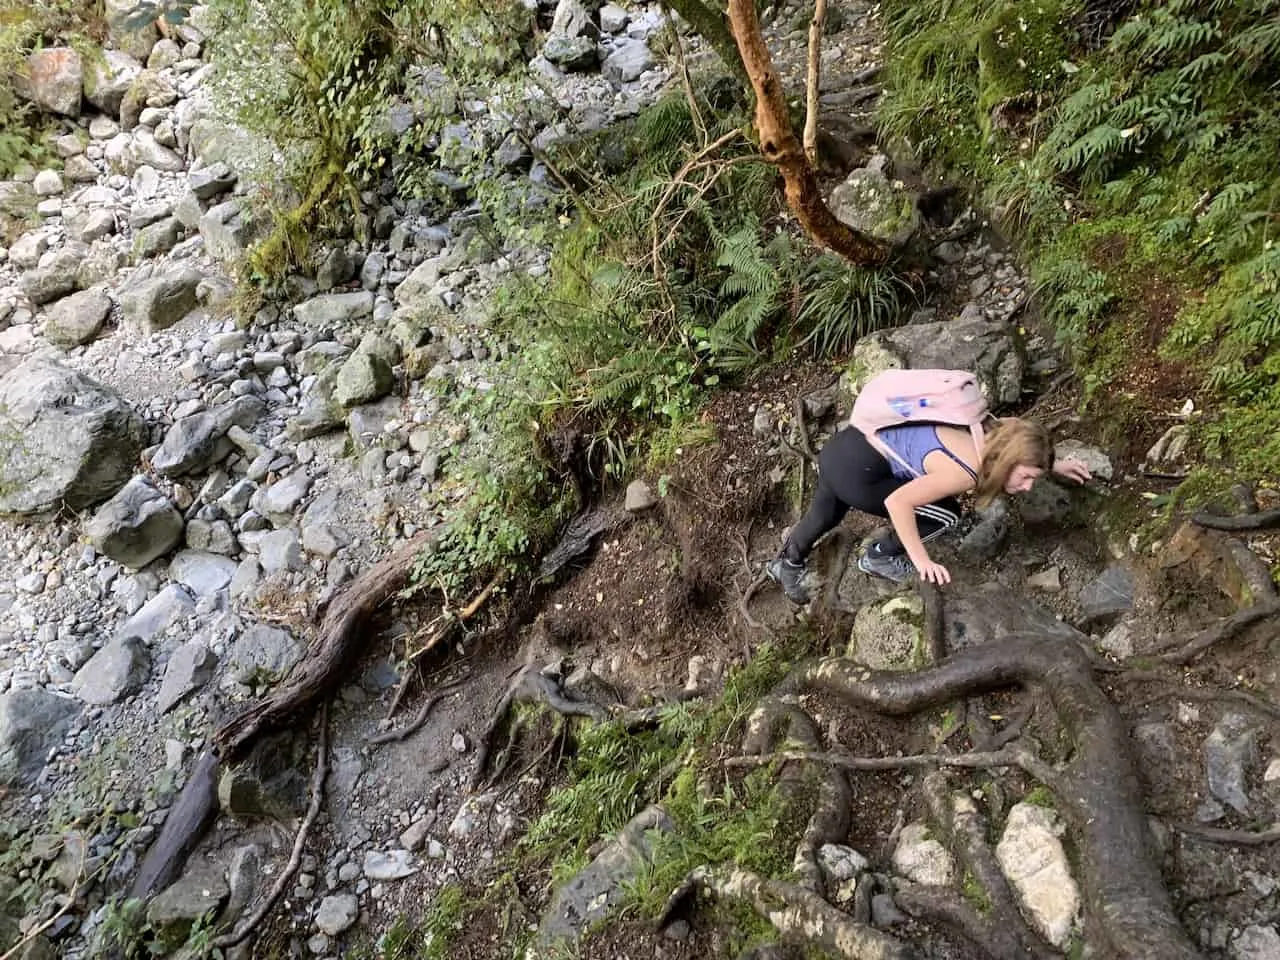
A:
{"x":574,"y":54}
{"x":1110,"y":593}
{"x":135,"y":526}
{"x":571,"y":18}
{"x":1229,"y":751}
{"x":54,"y":80}
{"x":157,"y":614}
{"x":204,"y":574}
{"x":337,"y":914}
{"x":55,"y":277}
{"x":890,"y":635}
{"x":159,"y":301}
{"x":629,"y":59}
{"x":126,"y":33}
{"x":65,"y":440}
{"x":988,"y":348}
{"x":117,"y":670}
{"x":1032,"y":857}
{"x":31,"y":721}
{"x":870,"y":204}
{"x":148,"y":89}
{"x":263,"y":650}
{"x":589,"y":896}
{"x":365,"y":376}
{"x":77,"y":319}
{"x":146,"y":151}
{"x":199,"y":441}
{"x":190,"y":667}
{"x":334,"y":309}
{"x":196,"y":895}
{"x":107,"y":78}
{"x":228,"y":230}
{"x":922,"y":858}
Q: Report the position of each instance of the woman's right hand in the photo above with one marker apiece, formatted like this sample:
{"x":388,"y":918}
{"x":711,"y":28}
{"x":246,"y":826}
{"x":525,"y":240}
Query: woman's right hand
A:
{"x":931,"y":572}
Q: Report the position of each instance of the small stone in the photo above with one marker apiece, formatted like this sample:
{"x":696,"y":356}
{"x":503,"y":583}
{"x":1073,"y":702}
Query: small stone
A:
{"x":1049,"y":580}
{"x":639,"y":497}
{"x":459,"y":742}
{"x":391,"y":865}
{"x":337,"y":914}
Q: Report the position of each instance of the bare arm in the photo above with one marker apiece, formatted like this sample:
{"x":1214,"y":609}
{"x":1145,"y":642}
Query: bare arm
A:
{"x":946,"y":480}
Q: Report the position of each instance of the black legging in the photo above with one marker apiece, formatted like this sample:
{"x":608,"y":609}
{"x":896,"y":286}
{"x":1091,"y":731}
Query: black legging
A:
{"x":852,"y":474}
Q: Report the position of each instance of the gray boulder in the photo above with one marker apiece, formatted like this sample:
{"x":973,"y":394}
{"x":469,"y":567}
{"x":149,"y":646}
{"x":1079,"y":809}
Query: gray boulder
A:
{"x":589,"y":896}
{"x":106,"y":78}
{"x":571,"y":18}
{"x":65,"y":440}
{"x":146,"y":151}
{"x":148,"y":89}
{"x":365,"y":376}
{"x":204,"y":574}
{"x":31,"y":721}
{"x":870,"y":204}
{"x":629,"y":59}
{"x":156,"y":238}
{"x":55,"y":278}
{"x":573,"y":54}
{"x":77,"y":319}
{"x":989,"y":348}
{"x":334,"y":309}
{"x":228,"y":230}
{"x":279,"y":501}
{"x":135,"y":526}
{"x":54,"y":80}
{"x":135,"y":40}
{"x":117,"y":670}
{"x":199,"y":441}
{"x":199,"y":893}
{"x":263,"y":649}
{"x":159,"y":301}
{"x":207,"y":182}
{"x":190,"y":667}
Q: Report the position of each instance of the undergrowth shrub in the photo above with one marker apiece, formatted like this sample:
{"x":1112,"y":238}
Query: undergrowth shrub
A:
{"x":24,"y":27}
{"x":353,"y":91}
{"x":1158,"y":138}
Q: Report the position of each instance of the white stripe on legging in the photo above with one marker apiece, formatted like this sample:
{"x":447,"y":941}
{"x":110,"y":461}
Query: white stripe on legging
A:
{"x":940,"y":515}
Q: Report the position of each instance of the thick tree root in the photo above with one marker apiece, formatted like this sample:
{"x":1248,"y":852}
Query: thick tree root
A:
{"x":1127,"y":907}
{"x":795,"y":912}
{"x":529,"y":685}
{"x":1237,"y":838}
{"x":945,"y":906}
{"x":1224,"y":629}
{"x":325,"y":665}
{"x":1001,"y":931}
{"x":1249,"y":521}
{"x":829,"y":822}
{"x":251,"y":925}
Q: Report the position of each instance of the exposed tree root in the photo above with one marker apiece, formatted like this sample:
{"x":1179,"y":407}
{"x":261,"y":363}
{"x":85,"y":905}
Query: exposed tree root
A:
{"x":1238,"y":838}
{"x":414,"y":725}
{"x":529,"y":685}
{"x":776,"y":720}
{"x":1127,"y":906}
{"x":246,"y":929}
{"x":1261,"y":520}
{"x":795,"y":911}
{"x":969,"y":761}
{"x":1000,"y":931}
{"x":324,"y":666}
{"x":1224,"y":629}
{"x":744,"y":604}
{"x":944,"y":905}
{"x":1173,"y":688}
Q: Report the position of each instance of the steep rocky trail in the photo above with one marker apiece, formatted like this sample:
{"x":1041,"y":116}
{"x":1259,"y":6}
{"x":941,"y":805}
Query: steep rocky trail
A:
{"x":282,"y":457}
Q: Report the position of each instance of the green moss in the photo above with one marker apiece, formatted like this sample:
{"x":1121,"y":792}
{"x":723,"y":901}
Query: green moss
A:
{"x":1041,"y":796}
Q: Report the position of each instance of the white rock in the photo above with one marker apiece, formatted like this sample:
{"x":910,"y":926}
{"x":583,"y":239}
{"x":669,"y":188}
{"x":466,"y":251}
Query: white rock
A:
{"x":337,"y":913}
{"x":47,"y":183}
{"x":921,"y":858}
{"x":1032,"y":857}
{"x":392,"y":865}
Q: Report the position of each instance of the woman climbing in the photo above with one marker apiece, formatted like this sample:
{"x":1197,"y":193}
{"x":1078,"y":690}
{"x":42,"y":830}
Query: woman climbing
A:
{"x":911,"y":470}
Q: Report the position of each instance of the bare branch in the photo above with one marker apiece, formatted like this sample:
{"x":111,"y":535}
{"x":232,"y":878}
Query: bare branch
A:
{"x":813,"y":81}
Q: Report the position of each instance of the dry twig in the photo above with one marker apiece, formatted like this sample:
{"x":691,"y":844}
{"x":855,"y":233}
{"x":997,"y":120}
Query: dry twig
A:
{"x":813,"y":80}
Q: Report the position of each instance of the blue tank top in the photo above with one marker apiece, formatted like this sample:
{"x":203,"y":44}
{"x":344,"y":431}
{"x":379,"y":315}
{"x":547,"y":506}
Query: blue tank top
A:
{"x":913,"y":442}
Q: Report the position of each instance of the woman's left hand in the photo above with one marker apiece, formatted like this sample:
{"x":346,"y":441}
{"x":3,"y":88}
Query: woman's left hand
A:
{"x":1073,"y":469}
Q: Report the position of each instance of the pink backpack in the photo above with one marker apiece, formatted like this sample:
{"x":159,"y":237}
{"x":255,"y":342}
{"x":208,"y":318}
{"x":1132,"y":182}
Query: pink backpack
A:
{"x":898,"y":397}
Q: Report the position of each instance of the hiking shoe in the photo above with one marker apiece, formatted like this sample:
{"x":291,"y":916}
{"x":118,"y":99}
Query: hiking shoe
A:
{"x":896,"y":568}
{"x":789,"y":575}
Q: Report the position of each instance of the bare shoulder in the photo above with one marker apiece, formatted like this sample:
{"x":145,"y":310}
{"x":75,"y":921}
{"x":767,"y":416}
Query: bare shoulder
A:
{"x":960,"y":442}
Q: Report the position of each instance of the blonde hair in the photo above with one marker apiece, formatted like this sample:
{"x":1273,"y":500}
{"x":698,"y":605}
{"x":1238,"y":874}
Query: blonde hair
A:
{"x":1011,"y":443}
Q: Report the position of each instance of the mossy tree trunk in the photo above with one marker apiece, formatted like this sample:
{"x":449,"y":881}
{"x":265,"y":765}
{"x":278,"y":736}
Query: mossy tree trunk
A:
{"x":783,"y":149}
